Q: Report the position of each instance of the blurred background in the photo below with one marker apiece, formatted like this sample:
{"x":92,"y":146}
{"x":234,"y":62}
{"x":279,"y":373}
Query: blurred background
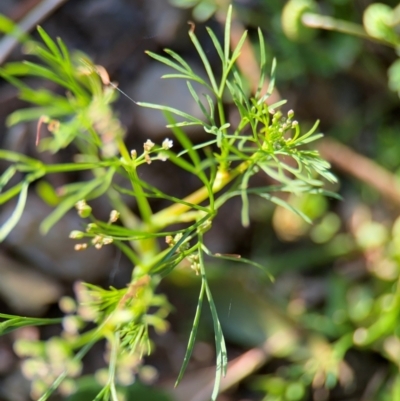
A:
{"x":328,"y":327}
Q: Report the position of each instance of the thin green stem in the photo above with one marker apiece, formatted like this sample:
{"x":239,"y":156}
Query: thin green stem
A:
{"x":114,"y":341}
{"x":69,"y":167}
{"x":64,"y":374}
{"x":313,"y":20}
{"x":164,"y":217}
{"x":148,"y":247}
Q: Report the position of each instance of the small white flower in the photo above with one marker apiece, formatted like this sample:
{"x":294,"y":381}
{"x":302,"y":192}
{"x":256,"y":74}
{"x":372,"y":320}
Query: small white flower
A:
{"x":167,"y":143}
{"x":148,"y":145}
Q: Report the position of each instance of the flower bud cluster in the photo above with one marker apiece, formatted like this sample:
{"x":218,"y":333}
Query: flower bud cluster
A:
{"x":194,"y":263}
{"x":92,"y":229}
{"x":149,"y":147}
{"x":172,"y":241}
{"x":99,"y":240}
{"x":45,"y":361}
{"x":276,"y":131}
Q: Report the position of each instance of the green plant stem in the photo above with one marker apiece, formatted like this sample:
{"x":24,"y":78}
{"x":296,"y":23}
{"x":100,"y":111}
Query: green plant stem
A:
{"x":114,"y":341}
{"x":225,"y":150}
{"x":122,"y":149}
{"x":313,"y":20}
{"x":89,"y":337}
{"x":60,"y":168}
{"x":18,"y":158}
{"x":147,"y":248}
{"x":64,"y":374}
{"x":163,"y":218}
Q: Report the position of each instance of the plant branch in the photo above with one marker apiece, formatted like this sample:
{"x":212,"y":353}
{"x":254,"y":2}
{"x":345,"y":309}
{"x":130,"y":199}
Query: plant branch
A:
{"x":164,"y":217}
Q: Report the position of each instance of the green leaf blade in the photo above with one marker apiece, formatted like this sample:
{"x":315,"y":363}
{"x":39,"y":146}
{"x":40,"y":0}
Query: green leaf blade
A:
{"x":17,"y":213}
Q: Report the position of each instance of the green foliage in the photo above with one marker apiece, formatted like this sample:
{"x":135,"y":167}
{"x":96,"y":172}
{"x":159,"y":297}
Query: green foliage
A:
{"x":265,"y":140}
{"x":292,"y":25}
{"x":358,"y":313}
{"x":379,"y":22}
{"x":202,"y":9}
{"x":88,"y":388}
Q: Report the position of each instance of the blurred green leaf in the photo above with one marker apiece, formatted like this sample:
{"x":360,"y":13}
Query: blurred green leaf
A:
{"x":12,"y":221}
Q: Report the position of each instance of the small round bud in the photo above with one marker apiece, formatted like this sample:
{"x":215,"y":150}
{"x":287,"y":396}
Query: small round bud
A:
{"x":71,"y":324}
{"x":114,"y":216}
{"x":80,"y":247}
{"x":167,"y":144}
{"x":84,"y":210}
{"x":75,"y":234}
{"x":277,"y":116}
{"x":67,"y":304}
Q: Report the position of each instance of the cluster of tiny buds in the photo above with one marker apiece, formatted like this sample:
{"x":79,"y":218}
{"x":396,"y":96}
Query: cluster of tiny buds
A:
{"x":194,"y":263}
{"x":172,"y":241}
{"x":193,"y":259}
{"x":80,"y":247}
{"x":99,"y":240}
{"x":287,"y":122}
{"x":148,"y":147}
{"x":75,"y":234}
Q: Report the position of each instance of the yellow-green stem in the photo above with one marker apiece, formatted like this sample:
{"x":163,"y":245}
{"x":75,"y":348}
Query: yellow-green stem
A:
{"x":163,"y":218}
